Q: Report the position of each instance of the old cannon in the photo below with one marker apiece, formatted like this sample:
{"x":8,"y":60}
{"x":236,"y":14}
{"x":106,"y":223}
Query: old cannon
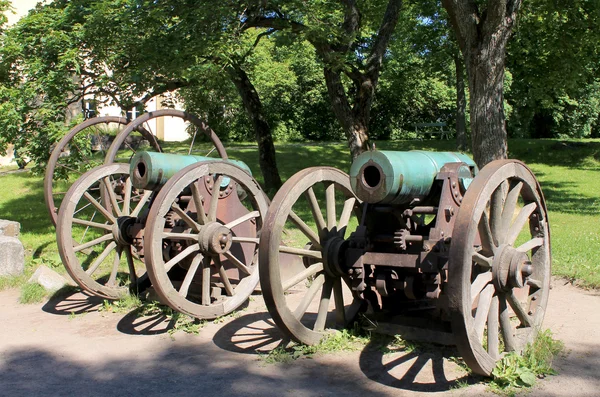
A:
{"x":421,"y":243}
{"x":189,"y":225}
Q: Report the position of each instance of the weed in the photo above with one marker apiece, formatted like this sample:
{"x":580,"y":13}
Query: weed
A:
{"x":398,"y":344}
{"x":185,"y":323}
{"x":7,"y":282}
{"x":32,"y":293}
{"x":126,"y":304}
{"x":278,"y":355}
{"x":345,"y":340}
{"x":514,"y":371}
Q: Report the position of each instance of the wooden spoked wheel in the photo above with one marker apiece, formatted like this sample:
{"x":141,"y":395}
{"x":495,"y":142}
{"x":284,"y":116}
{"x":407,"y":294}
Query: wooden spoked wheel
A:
{"x":310,"y":217}
{"x":131,"y":140}
{"x":93,"y":231}
{"x":499,"y":268}
{"x":81,"y":149}
{"x":201,"y":239}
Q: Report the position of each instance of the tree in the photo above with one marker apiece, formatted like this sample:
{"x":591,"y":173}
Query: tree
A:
{"x":126,"y":51}
{"x":435,"y":39}
{"x":553,"y":57}
{"x":482,"y":30}
{"x":351,"y":41}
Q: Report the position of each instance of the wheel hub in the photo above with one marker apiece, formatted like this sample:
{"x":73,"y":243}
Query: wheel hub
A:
{"x":333,"y":254}
{"x":121,"y":230}
{"x":214,"y":238}
{"x":510,"y":268}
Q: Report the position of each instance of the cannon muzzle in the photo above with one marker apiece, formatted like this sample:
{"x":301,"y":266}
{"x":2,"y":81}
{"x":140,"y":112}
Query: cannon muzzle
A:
{"x":390,"y":177}
{"x":151,"y":170}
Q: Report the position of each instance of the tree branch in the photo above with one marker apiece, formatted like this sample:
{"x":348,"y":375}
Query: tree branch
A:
{"x":388,"y":25}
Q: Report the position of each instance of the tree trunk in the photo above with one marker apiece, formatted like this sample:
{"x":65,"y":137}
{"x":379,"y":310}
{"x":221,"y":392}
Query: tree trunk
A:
{"x":264,"y":139}
{"x":486,"y":86}
{"x":354,"y":122}
{"x":482,"y":30}
{"x":461,"y":105}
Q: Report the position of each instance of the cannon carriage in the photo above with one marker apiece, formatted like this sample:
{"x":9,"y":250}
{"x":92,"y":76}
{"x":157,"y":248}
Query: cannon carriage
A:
{"x":422,"y":244}
{"x":186,"y":225}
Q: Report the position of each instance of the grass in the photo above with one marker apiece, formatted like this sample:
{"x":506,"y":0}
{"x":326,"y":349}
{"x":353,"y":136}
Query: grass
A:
{"x":566,"y":171}
{"x":343,"y":340}
{"x":32,"y":293}
{"x":515,"y":372}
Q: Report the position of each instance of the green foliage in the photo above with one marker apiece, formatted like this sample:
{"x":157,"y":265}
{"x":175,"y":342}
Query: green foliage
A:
{"x":32,"y":293}
{"x":337,"y":340}
{"x":553,"y":57}
{"x":124,"y":305}
{"x":515,"y":371}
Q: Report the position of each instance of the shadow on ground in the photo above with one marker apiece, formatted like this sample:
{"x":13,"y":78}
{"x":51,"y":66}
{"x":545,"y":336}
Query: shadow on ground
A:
{"x":71,"y":301}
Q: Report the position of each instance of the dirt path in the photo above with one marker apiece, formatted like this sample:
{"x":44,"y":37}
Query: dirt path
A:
{"x":47,"y":350}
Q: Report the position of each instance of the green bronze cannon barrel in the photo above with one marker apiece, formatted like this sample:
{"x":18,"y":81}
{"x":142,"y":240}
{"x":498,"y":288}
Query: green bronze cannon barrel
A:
{"x":150,"y":170}
{"x":391,"y":177}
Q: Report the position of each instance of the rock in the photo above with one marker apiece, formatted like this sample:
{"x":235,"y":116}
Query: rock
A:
{"x":9,"y":228}
{"x":12,"y":256}
{"x":48,"y":279}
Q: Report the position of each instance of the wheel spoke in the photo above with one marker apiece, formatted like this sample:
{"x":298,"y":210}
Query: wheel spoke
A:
{"x":96,"y":241}
{"x":482,"y":260}
{"x":252,"y":240}
{"x":345,"y":216}
{"x":323,"y":306}
{"x":197,"y":197}
{"x":224,"y":278}
{"x":492,"y":330}
{"x":534,"y":283}
{"x":101,"y":258}
{"x":309,"y":296}
{"x":181,"y":256}
{"x":214,"y":201}
{"x":96,"y":225}
{"x":127,"y":197}
{"x":112,"y":196}
{"x":485,"y":233}
{"x":303,"y":275}
{"x":531,"y":244}
{"x":99,"y":207}
{"x":140,"y":205}
{"x":179,"y":236}
{"x":519,"y":222}
{"x":483,"y":309}
{"x":496,"y":205}
{"x":185,"y":217}
{"x":247,"y":217}
{"x":189,"y":276}
{"x":308,"y":232}
{"x":237,"y":263}
{"x":330,"y":206}
{"x":481,"y":280}
{"x":509,"y":206}
{"x":338,"y":295}
{"x":112,"y":280}
{"x":206,"y":281}
{"x":518,"y":309}
{"x":301,"y":252}
{"x":133,"y":278}
{"x":315,"y":209}
{"x":506,"y":326}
